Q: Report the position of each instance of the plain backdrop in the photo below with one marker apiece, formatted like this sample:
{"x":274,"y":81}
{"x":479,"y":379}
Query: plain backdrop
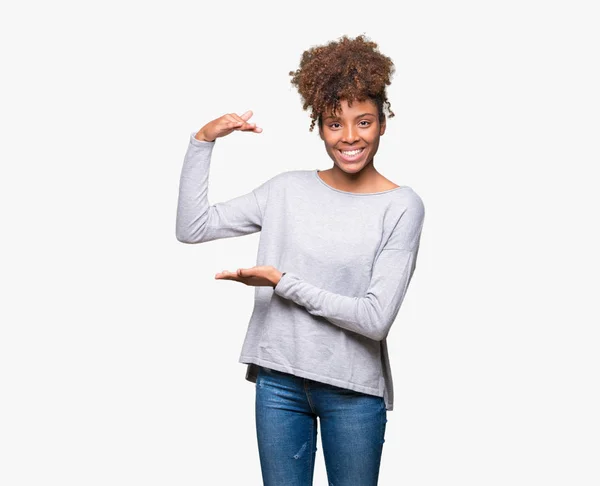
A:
{"x":118,"y":348}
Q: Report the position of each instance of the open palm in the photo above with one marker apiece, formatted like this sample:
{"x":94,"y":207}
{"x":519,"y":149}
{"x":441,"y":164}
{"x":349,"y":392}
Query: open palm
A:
{"x":258,"y":276}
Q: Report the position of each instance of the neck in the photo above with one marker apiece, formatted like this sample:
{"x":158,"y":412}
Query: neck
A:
{"x":355,"y":181}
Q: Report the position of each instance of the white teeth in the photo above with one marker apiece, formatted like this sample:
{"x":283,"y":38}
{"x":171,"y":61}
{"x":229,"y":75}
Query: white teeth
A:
{"x":352,"y":152}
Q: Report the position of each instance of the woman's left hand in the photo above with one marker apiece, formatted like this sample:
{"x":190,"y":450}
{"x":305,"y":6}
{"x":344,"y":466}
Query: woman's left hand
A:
{"x":259,"y":276}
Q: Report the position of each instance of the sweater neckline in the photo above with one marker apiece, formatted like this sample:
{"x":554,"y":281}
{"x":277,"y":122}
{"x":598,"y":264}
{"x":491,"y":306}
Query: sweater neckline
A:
{"x":315,"y":172}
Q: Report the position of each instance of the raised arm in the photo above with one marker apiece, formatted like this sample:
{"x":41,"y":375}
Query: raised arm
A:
{"x":373,"y":314}
{"x":197,"y":220}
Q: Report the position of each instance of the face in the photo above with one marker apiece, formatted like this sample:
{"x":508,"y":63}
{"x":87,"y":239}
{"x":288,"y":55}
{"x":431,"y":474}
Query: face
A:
{"x":355,"y":128}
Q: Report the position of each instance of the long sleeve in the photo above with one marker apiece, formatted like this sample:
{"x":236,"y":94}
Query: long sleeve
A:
{"x":373,"y":314}
{"x":197,"y":220}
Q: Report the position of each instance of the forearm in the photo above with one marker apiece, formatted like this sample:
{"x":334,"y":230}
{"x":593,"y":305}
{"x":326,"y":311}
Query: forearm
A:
{"x":371,"y":316}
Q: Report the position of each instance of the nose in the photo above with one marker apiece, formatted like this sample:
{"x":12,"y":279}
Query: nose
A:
{"x":350,"y":134}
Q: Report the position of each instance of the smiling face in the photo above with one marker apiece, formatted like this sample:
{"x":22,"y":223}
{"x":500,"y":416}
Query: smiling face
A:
{"x":352,"y":137}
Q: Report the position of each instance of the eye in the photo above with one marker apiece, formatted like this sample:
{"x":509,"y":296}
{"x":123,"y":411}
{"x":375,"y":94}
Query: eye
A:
{"x":331,"y":124}
{"x":367,"y":123}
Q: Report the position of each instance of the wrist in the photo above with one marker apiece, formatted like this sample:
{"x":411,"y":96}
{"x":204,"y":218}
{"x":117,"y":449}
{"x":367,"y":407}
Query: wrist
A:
{"x":279,"y":279}
{"x":201,"y":137}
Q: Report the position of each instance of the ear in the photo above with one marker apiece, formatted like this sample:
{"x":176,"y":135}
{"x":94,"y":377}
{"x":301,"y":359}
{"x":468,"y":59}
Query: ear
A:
{"x":382,"y":127}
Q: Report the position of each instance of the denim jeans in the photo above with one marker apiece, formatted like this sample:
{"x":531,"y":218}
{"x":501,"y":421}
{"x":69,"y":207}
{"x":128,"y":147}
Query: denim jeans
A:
{"x":352,"y":431}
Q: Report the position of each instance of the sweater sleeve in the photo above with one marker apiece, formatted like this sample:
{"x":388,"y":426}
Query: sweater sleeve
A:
{"x":373,"y":314}
{"x":197,"y":220}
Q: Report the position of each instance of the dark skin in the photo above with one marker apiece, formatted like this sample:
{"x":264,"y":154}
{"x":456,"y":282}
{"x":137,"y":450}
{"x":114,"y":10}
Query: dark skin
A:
{"x":355,"y":127}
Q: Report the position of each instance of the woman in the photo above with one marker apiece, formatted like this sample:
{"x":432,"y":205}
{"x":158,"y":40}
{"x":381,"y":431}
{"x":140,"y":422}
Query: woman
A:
{"x":337,"y":251}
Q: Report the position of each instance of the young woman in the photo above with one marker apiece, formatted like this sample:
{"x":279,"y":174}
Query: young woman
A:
{"x":337,"y":251}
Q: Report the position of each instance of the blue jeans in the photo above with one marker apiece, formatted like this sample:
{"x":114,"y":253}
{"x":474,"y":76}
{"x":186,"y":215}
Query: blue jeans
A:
{"x":352,"y":431}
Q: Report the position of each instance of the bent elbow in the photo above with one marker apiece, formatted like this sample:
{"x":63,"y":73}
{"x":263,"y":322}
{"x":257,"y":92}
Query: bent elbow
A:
{"x":378,"y":323}
{"x":379,"y":334}
{"x":182,"y":239}
{"x":187,"y":237}
{"x":182,"y":236}
{"x":191,"y":233}
{"x":380,"y":326}
{"x":375,"y":330}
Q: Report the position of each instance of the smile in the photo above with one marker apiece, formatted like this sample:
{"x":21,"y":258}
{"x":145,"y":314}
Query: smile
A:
{"x":351,"y":155}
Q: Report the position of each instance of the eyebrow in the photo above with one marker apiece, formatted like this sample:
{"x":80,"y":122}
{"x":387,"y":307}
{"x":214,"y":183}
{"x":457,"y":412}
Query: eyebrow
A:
{"x":358,"y":116}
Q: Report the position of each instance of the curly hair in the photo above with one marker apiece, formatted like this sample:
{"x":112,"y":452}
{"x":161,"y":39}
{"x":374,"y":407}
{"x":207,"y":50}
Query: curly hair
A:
{"x":350,"y":69}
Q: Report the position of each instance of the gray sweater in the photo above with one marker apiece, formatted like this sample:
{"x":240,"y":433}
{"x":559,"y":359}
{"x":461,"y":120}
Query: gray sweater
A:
{"x":348,"y":259}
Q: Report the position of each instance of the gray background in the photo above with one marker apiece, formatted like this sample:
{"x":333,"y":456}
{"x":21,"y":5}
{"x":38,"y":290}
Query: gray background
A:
{"x":110,"y":327}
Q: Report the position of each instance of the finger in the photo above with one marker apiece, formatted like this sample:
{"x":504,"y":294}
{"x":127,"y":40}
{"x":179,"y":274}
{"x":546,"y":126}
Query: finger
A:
{"x":237,"y":117}
{"x":248,"y":127}
{"x":245,"y":125}
{"x":233,"y":122}
{"x":232,"y":117}
{"x":229,"y":126}
{"x":253,"y":129}
{"x":246,"y":116}
{"x":225,"y":275}
{"x":233,"y":125}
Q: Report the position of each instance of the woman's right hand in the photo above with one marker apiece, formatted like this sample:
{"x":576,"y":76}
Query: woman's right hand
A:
{"x":226,"y":124}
